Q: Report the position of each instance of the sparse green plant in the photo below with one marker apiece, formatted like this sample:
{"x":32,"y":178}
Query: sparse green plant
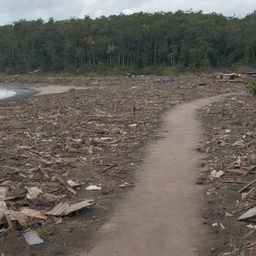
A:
{"x":42,"y":232}
{"x":252,"y":87}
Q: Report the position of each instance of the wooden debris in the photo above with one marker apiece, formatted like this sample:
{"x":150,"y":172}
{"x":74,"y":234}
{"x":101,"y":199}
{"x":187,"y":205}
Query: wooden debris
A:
{"x":93,"y":187}
{"x":3,"y":191}
{"x":73,"y":184}
{"x":237,"y":171}
{"x":33,"y":192}
{"x":64,"y":209}
{"x":21,"y":218}
{"x":250,"y":245}
{"x":69,"y":188}
{"x":247,"y":186}
{"x":233,"y":181}
{"x":71,"y":139}
{"x":33,"y":213}
{"x":249,"y":214}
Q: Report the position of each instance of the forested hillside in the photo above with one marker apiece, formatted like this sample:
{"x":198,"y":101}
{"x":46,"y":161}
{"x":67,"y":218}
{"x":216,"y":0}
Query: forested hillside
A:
{"x":140,"y":42}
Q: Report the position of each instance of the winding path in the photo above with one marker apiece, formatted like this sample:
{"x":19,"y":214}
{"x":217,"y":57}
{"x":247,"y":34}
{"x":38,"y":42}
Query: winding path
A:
{"x":161,"y":216}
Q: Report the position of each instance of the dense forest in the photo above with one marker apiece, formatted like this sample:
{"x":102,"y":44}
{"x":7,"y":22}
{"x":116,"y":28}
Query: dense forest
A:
{"x":140,"y":42}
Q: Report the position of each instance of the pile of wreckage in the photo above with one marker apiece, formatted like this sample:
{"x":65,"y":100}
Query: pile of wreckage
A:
{"x":26,"y":218}
{"x":229,"y":76}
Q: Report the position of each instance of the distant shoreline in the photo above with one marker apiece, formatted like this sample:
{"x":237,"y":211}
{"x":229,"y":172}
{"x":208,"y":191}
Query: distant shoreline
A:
{"x":21,"y":92}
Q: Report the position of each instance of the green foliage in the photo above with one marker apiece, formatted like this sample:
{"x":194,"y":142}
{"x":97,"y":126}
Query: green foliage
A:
{"x":159,"y":43}
{"x":252,"y":87}
{"x":42,"y":233}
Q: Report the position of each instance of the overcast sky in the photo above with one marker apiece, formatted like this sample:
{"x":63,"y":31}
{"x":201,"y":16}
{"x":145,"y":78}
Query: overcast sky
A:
{"x":13,"y":10}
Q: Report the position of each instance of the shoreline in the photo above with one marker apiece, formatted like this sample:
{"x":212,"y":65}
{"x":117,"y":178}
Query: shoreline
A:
{"x":24,"y":92}
{"x":21,"y":92}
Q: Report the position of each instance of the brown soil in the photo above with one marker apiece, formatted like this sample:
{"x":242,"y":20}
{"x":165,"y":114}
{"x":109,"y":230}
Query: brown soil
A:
{"x":69,"y":132}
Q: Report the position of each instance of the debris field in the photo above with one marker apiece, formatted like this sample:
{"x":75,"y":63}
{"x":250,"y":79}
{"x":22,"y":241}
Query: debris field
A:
{"x":66,"y":159}
{"x":229,"y":170}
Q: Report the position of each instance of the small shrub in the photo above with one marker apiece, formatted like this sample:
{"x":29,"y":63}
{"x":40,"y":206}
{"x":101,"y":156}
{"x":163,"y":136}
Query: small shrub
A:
{"x":42,"y":233}
{"x":252,"y":87}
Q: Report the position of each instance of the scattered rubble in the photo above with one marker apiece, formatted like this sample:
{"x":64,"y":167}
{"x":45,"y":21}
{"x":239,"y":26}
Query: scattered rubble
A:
{"x":54,"y":147}
{"x":230,"y":136}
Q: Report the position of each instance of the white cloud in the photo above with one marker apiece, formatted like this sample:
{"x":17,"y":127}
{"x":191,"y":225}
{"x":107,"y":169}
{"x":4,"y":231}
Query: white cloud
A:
{"x":13,"y":10}
{"x":238,"y":8}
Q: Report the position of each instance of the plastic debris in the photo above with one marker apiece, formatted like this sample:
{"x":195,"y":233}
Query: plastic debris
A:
{"x":32,"y":238}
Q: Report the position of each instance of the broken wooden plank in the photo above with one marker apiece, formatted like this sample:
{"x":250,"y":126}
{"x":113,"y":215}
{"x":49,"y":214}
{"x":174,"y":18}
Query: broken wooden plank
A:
{"x":33,"y":213}
{"x":69,"y":188}
{"x":237,"y":171}
{"x":247,"y":186}
{"x":249,"y":214}
{"x":3,"y":191}
{"x":18,"y":216}
{"x":233,"y":181}
{"x":250,"y":245}
{"x":64,"y":209}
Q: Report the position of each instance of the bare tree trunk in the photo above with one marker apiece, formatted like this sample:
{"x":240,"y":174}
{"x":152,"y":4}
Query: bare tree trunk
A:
{"x":118,"y":54}
{"x":155,"y":51}
{"x":13,"y":58}
{"x":93,"y":59}
{"x":123,"y":58}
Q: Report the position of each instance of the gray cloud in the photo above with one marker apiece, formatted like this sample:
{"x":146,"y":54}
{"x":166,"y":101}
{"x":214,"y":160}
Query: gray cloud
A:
{"x":13,"y":10}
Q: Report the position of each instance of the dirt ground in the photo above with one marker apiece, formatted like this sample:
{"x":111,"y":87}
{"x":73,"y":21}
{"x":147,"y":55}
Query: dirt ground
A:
{"x":230,"y":145}
{"x":97,"y":136}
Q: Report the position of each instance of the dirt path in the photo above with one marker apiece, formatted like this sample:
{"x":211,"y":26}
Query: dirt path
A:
{"x":162,"y":215}
{"x":55,"y":89}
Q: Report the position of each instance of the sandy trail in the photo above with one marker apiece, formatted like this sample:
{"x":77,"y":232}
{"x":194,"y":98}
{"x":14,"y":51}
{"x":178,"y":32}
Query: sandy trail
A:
{"x":163,"y":214}
{"x":55,"y":89}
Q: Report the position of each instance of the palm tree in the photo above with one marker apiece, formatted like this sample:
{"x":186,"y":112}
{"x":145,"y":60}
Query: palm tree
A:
{"x":89,"y":40}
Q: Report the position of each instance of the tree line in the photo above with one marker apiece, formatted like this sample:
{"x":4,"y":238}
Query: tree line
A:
{"x":140,"y":42}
